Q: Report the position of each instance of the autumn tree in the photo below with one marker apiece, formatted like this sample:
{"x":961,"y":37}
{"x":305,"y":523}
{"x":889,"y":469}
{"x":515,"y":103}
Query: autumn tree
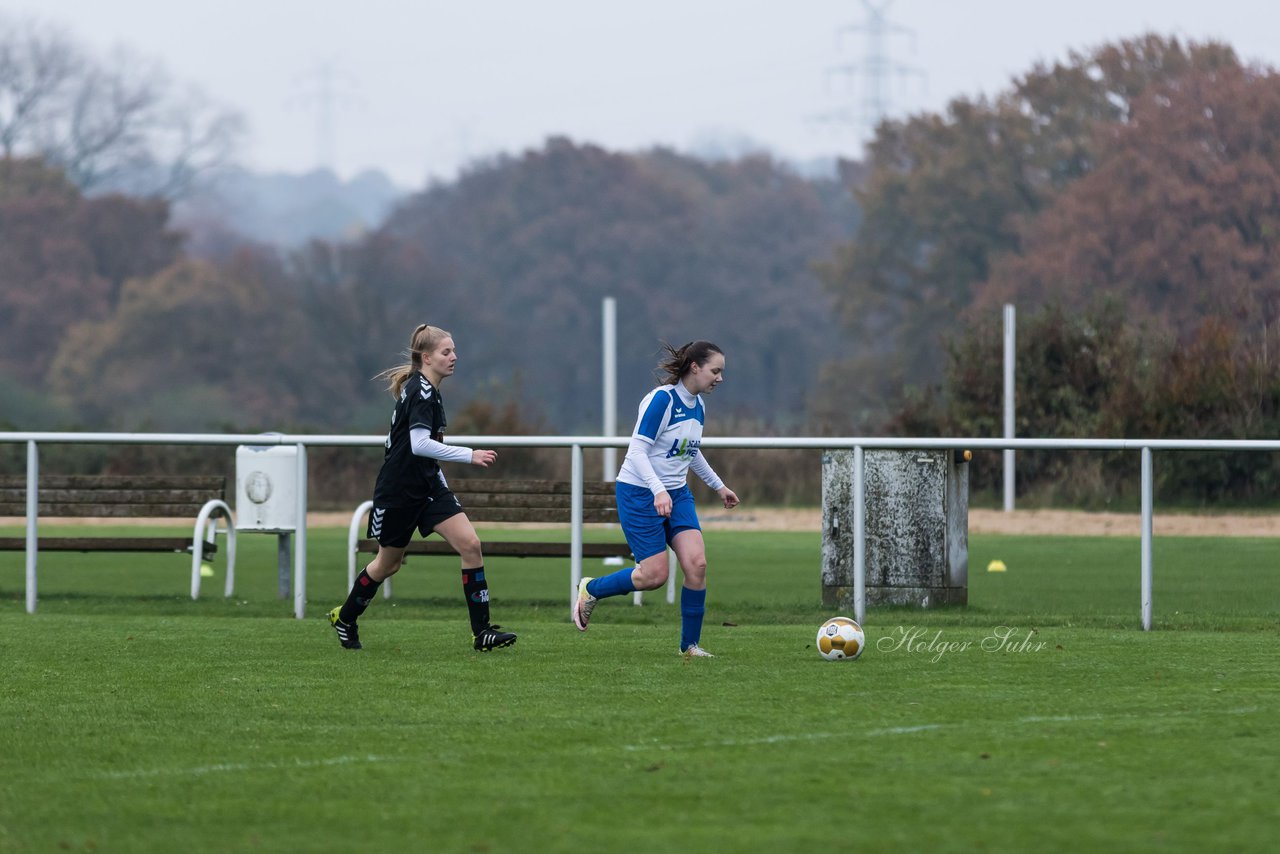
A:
{"x":1149,"y":290}
{"x":946,"y":196}
{"x":516,"y":256}
{"x":64,"y":259}
{"x":1179,"y":217}
{"x":198,"y":346}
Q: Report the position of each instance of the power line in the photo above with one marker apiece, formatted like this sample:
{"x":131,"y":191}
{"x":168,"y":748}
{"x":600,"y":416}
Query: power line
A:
{"x":325,"y":88}
{"x":873,"y":72}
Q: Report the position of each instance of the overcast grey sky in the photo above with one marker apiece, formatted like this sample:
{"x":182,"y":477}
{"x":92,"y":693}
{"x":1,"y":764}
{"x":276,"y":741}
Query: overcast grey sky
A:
{"x":419,"y":87}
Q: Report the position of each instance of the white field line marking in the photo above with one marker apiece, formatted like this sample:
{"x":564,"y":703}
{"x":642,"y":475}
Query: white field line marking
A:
{"x":224,"y":767}
{"x":1043,"y":719}
{"x":908,"y":730}
{"x":780,"y":739}
{"x":227,"y":767}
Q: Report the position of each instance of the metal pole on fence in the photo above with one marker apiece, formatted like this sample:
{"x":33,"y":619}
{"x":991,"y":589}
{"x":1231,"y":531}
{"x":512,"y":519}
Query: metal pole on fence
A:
{"x":1010,"y":351}
{"x":300,"y":551}
{"x":610,"y":345}
{"x":575,"y":522}
{"x":33,"y":510}
{"x":609,"y":454}
{"x":859,"y":539}
{"x":1147,"y":491}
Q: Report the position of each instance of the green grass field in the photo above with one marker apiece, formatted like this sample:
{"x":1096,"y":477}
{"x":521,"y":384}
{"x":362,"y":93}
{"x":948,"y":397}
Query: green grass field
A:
{"x":138,"y":720}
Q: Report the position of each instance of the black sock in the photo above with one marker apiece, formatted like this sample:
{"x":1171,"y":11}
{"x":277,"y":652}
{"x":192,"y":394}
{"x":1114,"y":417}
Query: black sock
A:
{"x":360,"y":597}
{"x":477,"y":593}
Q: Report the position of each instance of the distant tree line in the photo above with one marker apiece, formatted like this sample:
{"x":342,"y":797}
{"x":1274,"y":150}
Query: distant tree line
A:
{"x":106,"y":322}
{"x":1125,"y":201}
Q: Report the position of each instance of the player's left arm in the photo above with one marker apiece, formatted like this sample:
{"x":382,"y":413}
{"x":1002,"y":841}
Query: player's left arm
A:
{"x":423,"y":445}
{"x":703,"y":469}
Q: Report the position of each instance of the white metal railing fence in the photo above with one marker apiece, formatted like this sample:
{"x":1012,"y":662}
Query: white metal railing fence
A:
{"x":576,"y":444}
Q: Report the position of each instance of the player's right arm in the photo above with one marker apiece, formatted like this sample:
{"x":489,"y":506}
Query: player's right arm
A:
{"x":652,"y":421}
{"x":638,"y":456}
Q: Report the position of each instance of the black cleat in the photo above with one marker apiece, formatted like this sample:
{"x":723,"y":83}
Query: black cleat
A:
{"x":348,"y":634}
{"x":494,"y":637}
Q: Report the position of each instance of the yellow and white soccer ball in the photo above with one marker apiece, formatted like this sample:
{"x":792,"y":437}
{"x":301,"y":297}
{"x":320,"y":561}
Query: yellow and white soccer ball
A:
{"x":840,"y":639}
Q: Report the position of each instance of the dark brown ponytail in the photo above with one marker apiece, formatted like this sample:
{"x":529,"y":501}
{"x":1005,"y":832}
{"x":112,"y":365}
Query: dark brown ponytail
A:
{"x":678,"y":362}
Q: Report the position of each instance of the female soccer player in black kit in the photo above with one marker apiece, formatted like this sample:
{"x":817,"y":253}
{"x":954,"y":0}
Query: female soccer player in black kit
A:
{"x":411,"y":491}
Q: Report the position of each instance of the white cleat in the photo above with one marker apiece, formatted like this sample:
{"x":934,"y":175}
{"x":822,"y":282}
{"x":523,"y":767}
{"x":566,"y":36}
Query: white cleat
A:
{"x":696,"y":651}
{"x":583,"y":606}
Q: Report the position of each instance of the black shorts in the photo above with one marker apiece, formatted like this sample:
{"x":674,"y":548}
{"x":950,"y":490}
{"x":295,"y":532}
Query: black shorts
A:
{"x":393,"y":526}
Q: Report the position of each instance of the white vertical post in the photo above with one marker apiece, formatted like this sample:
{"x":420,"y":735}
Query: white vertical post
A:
{"x":1146,"y":538}
{"x":575,"y":522}
{"x":859,"y":539}
{"x":33,"y":511}
{"x":300,"y":549}
{"x":1010,"y":319}
{"x":610,"y":345}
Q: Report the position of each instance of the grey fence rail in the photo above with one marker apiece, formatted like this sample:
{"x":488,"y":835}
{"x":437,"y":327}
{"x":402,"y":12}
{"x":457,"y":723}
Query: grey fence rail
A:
{"x":575,"y":446}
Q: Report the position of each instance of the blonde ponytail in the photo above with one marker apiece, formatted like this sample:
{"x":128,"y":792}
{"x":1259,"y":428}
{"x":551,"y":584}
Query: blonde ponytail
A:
{"x":423,"y":340}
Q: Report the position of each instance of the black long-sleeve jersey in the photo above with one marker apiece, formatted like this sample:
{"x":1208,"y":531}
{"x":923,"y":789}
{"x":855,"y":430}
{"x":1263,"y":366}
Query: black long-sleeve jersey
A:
{"x":406,"y":479}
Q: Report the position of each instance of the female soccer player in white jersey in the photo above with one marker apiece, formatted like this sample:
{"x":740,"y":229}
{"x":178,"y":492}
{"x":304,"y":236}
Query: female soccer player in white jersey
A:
{"x":655,"y":505}
{"x":411,"y":491}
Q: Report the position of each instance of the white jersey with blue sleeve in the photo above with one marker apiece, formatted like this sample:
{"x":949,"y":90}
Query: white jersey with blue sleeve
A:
{"x":669,"y":429}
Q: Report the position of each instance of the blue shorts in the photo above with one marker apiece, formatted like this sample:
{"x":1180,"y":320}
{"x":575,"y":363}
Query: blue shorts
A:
{"x":648,"y":533}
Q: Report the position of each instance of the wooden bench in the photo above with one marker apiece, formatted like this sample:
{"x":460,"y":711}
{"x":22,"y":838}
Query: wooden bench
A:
{"x":202,"y":497}
{"x":547,"y":501}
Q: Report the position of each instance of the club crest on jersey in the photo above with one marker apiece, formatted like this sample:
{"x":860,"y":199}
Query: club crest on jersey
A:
{"x":684,"y":448}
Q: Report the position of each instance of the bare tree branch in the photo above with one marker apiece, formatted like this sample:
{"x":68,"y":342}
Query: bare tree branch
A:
{"x":36,"y":64}
{"x":118,"y":124}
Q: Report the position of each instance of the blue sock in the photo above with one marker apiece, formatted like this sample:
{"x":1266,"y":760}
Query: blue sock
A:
{"x":693,"y":604}
{"x":613,"y":584}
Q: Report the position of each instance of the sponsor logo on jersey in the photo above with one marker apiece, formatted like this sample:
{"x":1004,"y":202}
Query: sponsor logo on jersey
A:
{"x":684,"y":448}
